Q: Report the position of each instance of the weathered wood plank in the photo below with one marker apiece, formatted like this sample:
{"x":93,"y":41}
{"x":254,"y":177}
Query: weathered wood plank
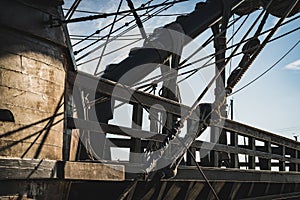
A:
{"x":137,"y":123}
{"x":235,"y":175}
{"x":107,"y":87}
{"x":260,"y":134}
{"x":105,"y":128}
{"x":14,"y":168}
{"x":162,"y":190}
{"x":92,"y":171}
{"x":27,"y":169}
{"x":294,"y":195}
{"x":173,"y":191}
{"x":195,"y":191}
{"x":229,"y":149}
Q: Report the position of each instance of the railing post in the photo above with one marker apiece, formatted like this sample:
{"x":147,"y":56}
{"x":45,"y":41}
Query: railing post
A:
{"x":189,"y":160}
{"x":137,"y":121}
{"x":265,"y":164}
{"x":251,"y":158}
{"x":214,"y":138}
{"x":282,"y":163}
{"x":293,"y":154}
{"x":298,"y":156}
{"x":234,"y":162}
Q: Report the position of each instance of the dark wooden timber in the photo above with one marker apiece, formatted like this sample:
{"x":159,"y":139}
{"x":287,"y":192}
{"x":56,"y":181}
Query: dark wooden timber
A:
{"x":19,"y":169}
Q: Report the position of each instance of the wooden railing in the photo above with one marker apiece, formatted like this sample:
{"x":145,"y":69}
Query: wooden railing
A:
{"x":248,"y":147}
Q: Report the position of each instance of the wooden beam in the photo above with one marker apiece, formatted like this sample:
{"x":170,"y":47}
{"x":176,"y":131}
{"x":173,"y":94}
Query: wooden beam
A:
{"x":162,"y":190}
{"x":91,"y":171}
{"x":188,"y":190}
{"x":14,"y":168}
{"x":294,"y":195}
{"x":137,"y":122}
{"x":265,"y":164}
{"x":173,"y":191}
{"x":27,"y":169}
{"x":251,"y":158}
{"x":235,"y":175}
{"x":217,"y":187}
{"x":106,"y":128}
{"x":195,"y":191}
{"x":250,"y":131}
{"x":107,"y":88}
{"x":234,"y":159}
{"x":234,"y":190}
{"x":229,"y":149}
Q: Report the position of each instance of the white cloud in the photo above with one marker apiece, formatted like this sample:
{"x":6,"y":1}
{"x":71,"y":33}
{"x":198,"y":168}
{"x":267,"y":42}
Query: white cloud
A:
{"x":294,"y":65}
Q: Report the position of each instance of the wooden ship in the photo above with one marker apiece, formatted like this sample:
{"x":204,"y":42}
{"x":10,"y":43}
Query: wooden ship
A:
{"x":44,"y":149}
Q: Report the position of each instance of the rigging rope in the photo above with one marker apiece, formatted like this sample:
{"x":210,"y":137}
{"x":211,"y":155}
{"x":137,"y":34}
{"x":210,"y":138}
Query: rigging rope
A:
{"x":104,"y":15}
{"x":122,"y":33}
{"x":72,"y":9}
{"x":167,"y":77}
{"x":258,"y":50}
{"x":107,"y":38}
{"x":99,"y":30}
{"x":265,"y":72}
{"x":206,"y":64}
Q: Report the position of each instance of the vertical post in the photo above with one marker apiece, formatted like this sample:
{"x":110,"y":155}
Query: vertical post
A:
{"x":231,"y":109}
{"x":265,"y":164}
{"x":293,"y":153}
{"x":68,"y":108}
{"x":137,"y":121}
{"x":214,"y":138}
{"x":251,"y":158}
{"x":189,"y":160}
{"x":282,"y":163}
{"x":234,"y":159}
{"x":298,"y":156}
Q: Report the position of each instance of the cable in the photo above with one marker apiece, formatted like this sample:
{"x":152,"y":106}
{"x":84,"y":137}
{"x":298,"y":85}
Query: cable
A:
{"x":232,"y":36}
{"x":122,"y":33}
{"x":99,"y":30}
{"x":166,"y":76}
{"x":137,"y":19}
{"x":259,"y":49}
{"x":206,"y":64}
{"x":99,"y":13}
{"x":183,"y":62}
{"x":107,"y":38}
{"x":104,"y":15}
{"x":125,"y":39}
{"x":72,"y":9}
{"x":278,"y":61}
{"x":97,"y":37}
{"x":113,"y":51}
{"x":209,"y":40}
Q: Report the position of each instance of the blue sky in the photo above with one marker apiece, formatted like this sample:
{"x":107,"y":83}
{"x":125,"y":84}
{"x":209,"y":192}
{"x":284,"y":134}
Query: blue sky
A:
{"x":271,"y":103}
